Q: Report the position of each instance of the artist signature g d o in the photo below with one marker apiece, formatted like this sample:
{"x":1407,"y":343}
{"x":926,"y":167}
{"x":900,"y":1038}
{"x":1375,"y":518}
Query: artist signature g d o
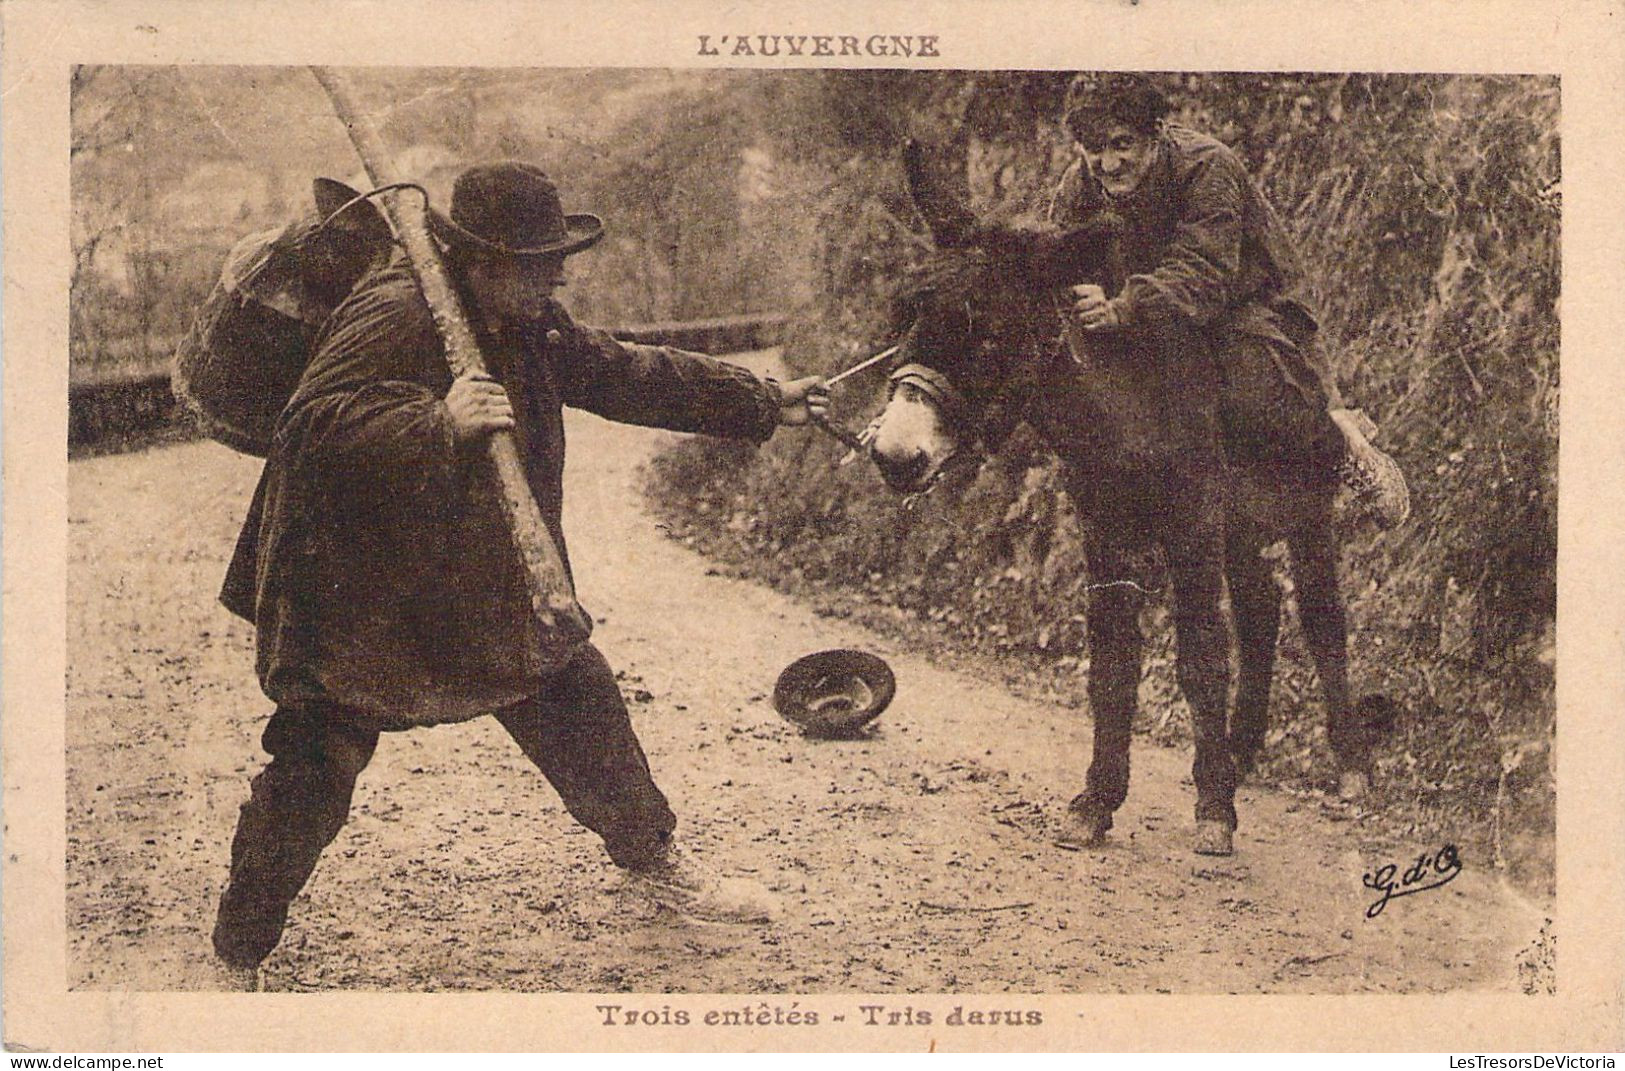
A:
{"x":1430,"y":871}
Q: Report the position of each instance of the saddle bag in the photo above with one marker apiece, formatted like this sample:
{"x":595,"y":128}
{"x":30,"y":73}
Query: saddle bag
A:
{"x":239,"y":364}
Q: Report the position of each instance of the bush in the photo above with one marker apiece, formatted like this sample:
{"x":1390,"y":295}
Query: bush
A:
{"x":1427,"y":208}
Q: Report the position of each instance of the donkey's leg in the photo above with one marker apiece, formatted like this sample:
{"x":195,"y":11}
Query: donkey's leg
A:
{"x":1255,"y":602}
{"x":1325,"y":628}
{"x":1202,"y":635}
{"x":1115,"y":643}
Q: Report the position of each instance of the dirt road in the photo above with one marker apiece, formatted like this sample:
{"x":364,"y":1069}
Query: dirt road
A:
{"x":913,"y":861}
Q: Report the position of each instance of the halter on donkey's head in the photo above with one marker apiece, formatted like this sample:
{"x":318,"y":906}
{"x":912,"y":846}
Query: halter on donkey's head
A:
{"x":969,"y":344}
{"x":980,"y":327}
{"x":987,"y":310}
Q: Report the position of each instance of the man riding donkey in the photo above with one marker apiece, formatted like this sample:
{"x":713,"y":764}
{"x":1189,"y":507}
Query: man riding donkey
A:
{"x":1201,"y":254}
{"x":377,"y":569}
{"x":1202,"y":248}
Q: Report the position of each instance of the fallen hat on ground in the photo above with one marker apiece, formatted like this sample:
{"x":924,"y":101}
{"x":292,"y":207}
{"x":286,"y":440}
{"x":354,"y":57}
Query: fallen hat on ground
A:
{"x":834,"y":693}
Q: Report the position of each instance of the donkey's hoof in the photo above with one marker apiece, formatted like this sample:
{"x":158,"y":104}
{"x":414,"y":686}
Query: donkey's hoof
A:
{"x":1352,"y":785}
{"x":1214,"y":838}
{"x":1081,"y":829}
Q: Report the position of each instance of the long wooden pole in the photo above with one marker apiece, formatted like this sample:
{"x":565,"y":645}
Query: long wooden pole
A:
{"x":564,"y":625}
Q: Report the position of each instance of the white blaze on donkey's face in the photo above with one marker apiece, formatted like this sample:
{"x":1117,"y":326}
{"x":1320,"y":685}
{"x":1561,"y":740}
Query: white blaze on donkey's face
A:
{"x":912,"y":440}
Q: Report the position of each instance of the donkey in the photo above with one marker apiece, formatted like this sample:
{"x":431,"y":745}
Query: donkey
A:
{"x":1135,"y":420}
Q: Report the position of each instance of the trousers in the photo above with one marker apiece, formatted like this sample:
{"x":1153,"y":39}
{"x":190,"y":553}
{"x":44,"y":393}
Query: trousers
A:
{"x":576,"y":730}
{"x":1274,"y":397}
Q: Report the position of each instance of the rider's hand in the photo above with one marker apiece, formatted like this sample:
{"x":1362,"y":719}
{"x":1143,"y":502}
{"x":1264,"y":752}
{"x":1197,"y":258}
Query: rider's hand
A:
{"x":478,"y":407}
{"x":1095,"y":312}
{"x":801,"y":400}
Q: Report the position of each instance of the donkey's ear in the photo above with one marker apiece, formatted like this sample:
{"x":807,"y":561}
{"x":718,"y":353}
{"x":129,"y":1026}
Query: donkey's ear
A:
{"x":904,"y":309}
{"x":944,"y":212}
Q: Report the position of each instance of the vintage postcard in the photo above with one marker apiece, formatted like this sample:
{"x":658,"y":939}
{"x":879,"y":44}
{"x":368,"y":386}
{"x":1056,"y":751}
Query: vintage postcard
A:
{"x":813,"y":527}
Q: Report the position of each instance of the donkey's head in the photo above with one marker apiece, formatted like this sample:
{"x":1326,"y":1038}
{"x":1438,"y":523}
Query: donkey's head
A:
{"x":977,"y":324}
{"x":966,"y":365}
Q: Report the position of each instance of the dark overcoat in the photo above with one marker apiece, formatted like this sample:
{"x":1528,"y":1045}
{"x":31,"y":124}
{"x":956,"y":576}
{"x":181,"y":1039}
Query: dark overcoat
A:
{"x":1203,"y":249}
{"x":375,"y":563}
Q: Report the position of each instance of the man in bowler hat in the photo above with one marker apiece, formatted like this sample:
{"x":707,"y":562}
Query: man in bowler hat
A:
{"x":376,"y":566}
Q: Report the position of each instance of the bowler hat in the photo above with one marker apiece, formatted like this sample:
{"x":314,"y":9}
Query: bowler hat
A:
{"x":834,"y":693}
{"x":512,"y":209}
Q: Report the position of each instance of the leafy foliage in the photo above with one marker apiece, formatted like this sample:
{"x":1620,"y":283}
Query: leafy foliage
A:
{"x":171,"y":166}
{"x":1428,"y":211}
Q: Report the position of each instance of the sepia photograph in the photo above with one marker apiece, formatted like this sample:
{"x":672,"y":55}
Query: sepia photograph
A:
{"x":1026,"y":421}
{"x":916,"y":546}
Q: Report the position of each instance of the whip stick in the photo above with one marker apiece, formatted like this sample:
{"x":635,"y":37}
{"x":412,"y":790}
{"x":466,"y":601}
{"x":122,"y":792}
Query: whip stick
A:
{"x":860,"y":366}
{"x":847,"y":438}
{"x":563,"y":623}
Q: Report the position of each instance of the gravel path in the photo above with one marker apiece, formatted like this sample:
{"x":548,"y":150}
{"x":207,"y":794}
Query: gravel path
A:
{"x":913,"y":861}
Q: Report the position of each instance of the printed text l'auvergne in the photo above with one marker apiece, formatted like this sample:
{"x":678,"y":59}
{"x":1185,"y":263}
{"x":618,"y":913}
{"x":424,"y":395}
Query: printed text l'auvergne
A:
{"x":869,"y":46}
